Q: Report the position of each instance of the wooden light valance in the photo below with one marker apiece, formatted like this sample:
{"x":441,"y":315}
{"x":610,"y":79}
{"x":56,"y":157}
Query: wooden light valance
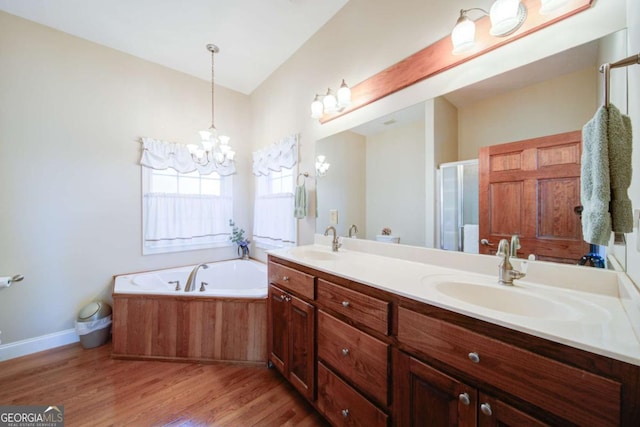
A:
{"x":437,"y":57}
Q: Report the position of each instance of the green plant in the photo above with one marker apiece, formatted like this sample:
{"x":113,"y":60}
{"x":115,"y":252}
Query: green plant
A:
{"x":237,"y":235}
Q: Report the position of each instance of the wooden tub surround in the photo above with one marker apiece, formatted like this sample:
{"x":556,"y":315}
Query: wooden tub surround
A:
{"x":364,"y":356}
{"x":183,"y":328}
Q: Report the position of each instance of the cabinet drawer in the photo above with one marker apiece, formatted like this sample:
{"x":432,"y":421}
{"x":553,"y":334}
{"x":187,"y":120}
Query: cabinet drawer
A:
{"x":571,"y":393}
{"x":359,"y":357}
{"x":343,"y":406}
{"x":292,"y":280}
{"x":360,"y":308}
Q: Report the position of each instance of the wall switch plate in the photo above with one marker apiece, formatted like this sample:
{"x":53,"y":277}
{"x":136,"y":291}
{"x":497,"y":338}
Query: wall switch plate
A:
{"x":333,"y":216}
{"x":636,"y":218}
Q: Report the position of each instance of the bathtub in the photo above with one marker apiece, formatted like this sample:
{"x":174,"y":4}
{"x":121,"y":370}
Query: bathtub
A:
{"x":225,"y":322}
{"x":236,"y":278}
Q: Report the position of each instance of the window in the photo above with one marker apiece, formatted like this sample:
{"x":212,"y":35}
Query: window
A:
{"x":274,"y":224}
{"x":280,"y":182}
{"x":185,"y":211}
{"x":274,"y":167}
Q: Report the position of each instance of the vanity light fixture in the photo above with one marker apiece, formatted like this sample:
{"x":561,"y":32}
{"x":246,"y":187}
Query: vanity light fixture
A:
{"x":214,"y":147}
{"x":548,"y":6}
{"x":321,"y":166}
{"x":506,"y":17}
{"x":330,"y":102}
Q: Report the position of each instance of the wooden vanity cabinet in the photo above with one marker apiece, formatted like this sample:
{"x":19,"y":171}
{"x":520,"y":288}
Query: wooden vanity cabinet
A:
{"x":425,"y":396}
{"x":291,"y":330}
{"x":383,"y":359}
{"x":291,"y":341}
{"x":570,"y":393}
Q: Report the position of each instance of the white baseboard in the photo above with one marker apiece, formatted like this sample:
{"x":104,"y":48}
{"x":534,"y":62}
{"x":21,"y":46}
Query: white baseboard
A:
{"x":34,"y":345}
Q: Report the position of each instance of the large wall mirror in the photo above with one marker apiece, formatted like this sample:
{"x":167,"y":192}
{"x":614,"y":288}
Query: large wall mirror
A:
{"x":382,"y":173}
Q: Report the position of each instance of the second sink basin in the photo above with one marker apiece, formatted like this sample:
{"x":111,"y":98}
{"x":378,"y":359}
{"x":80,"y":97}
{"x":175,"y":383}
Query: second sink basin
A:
{"x":504,"y":300}
{"x":517,"y":300}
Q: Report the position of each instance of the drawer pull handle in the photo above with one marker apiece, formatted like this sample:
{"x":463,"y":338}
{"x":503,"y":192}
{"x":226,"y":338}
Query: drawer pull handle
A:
{"x":474,"y":357}
{"x":285,"y":278}
{"x":345,"y":304}
{"x":345,"y":352}
{"x":345,"y":413}
{"x":464,"y":399}
{"x":486,"y":409}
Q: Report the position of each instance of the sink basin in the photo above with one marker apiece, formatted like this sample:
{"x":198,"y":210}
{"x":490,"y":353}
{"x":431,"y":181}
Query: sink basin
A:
{"x":505,"y":300}
{"x":519,"y":301}
{"x":313,"y":254}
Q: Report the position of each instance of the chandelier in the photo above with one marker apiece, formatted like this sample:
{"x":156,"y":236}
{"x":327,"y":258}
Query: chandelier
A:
{"x":214,"y":148}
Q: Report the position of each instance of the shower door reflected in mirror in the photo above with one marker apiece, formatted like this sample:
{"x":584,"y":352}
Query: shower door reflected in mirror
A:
{"x":458,"y":201}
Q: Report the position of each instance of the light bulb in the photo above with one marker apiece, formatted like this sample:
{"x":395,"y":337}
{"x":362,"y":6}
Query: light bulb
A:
{"x":330,"y":102}
{"x":317,"y":109}
{"x":344,"y":95}
{"x":506,"y":17}
{"x":463,"y":35}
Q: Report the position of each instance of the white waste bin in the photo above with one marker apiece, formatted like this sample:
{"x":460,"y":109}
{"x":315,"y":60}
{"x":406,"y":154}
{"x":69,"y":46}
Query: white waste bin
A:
{"x":93,"y":324}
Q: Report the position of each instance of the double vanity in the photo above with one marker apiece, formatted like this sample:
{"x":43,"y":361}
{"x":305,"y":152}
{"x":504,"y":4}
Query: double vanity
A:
{"x":378,"y":335}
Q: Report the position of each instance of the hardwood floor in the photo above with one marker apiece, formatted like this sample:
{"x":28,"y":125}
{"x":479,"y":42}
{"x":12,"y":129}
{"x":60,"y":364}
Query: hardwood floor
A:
{"x":99,"y":391}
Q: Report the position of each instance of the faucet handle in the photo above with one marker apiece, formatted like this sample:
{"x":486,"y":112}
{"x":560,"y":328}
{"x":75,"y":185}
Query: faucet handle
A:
{"x":175,"y":282}
{"x":202,"y":285}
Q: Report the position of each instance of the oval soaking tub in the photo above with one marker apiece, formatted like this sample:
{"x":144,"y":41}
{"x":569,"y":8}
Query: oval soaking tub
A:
{"x":224,"y":322}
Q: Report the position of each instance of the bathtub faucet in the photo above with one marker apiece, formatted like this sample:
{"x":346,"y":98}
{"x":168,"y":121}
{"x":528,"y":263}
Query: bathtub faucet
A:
{"x":191,"y":281}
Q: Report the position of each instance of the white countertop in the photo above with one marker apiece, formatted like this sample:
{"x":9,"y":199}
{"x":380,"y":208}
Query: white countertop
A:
{"x":590,"y":309}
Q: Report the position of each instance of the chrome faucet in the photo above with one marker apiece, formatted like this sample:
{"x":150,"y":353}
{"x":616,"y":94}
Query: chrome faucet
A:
{"x":355,"y":231}
{"x":515,"y":245}
{"x":335,"y":244}
{"x":191,"y":281}
{"x":506,"y":273}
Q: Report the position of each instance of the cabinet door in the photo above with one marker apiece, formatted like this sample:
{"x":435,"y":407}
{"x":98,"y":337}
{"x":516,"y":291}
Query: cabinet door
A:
{"x":278,"y":329}
{"x":424,"y":396}
{"x":495,"y":413}
{"x":301,"y":348}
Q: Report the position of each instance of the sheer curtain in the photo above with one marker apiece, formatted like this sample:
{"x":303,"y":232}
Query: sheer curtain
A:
{"x":273,"y":221}
{"x":177,"y":221}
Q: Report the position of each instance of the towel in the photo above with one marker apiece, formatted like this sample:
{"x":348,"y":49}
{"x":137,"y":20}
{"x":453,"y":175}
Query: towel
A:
{"x":620,"y":142}
{"x":595,"y":193}
{"x":606,"y":175}
{"x":300,"y":202}
{"x":470,"y":239}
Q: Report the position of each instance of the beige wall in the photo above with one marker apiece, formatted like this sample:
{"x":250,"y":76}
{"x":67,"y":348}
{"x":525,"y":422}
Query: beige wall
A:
{"x":558,"y":105}
{"x":395,"y":183}
{"x":346,"y":153}
{"x":445,"y":131}
{"x":71,"y":113}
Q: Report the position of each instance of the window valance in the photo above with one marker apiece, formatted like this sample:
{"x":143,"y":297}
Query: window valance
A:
{"x":281,"y":154}
{"x":158,"y":154}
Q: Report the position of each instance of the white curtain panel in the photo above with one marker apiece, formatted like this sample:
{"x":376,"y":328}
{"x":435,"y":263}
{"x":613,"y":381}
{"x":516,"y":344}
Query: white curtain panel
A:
{"x":177,"y":220}
{"x":281,"y":154}
{"x":161,"y":155}
{"x":273,"y":220}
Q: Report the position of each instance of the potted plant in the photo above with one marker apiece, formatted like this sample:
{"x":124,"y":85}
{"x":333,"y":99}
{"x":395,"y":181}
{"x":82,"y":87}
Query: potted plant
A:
{"x":237,"y":237}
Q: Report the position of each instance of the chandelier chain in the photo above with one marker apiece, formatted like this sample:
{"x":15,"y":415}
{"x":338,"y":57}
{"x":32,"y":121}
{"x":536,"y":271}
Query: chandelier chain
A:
{"x":212,"y":89}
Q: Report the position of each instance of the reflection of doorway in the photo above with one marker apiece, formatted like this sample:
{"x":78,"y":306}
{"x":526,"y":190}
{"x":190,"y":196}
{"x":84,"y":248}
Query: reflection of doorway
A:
{"x":530,"y":188}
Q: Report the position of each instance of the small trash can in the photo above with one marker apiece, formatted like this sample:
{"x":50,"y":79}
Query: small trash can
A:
{"x":94,"y":324}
